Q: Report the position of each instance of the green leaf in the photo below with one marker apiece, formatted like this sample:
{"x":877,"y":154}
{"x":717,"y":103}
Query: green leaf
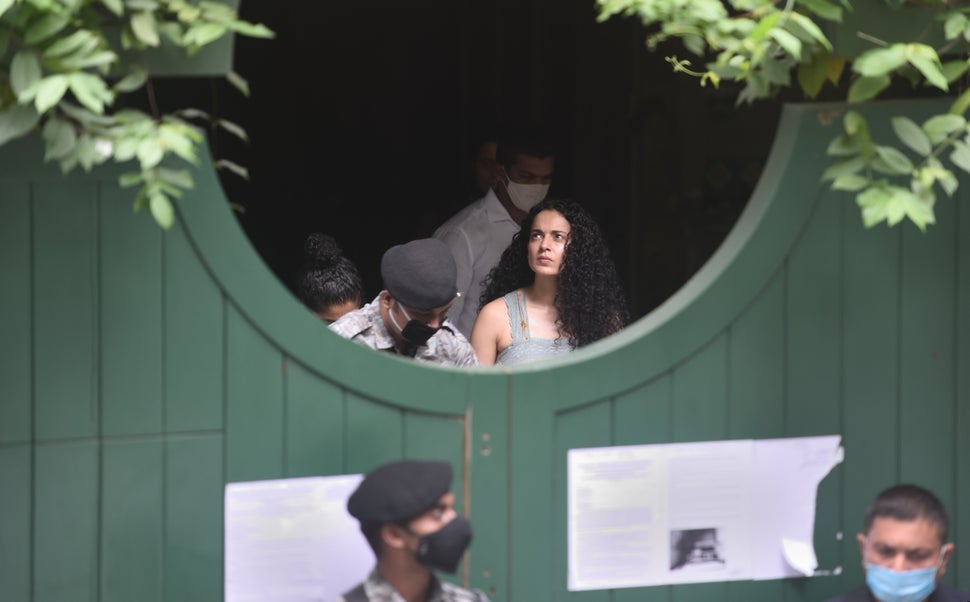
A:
{"x":17,"y":121}
{"x":114,"y":6}
{"x":926,"y":60}
{"x":961,"y":155}
{"x":238,"y":82}
{"x":254,"y":31}
{"x":955,"y":25}
{"x":824,"y":9}
{"x":59,"y":137}
{"x":239,"y":170}
{"x":144,"y":27}
{"x":233,"y":129}
{"x":50,"y":91}
{"x":836,"y":67}
{"x":69,"y":44}
{"x":45,"y":27}
{"x":24,"y":71}
{"x":912,"y":135}
{"x":865,"y":88}
{"x":162,"y":210}
{"x":181,"y":178}
{"x":844,"y":146}
{"x":812,"y":75}
{"x":874,"y":202}
{"x":135,"y":79}
{"x":150,"y":153}
{"x":960,"y":105}
{"x":842,"y":168}
{"x":5,"y":5}
{"x":938,"y":127}
{"x":790,"y":43}
{"x":91,"y":91}
{"x":880,"y":61}
{"x":126,"y":149}
{"x":855,"y":124}
{"x":850,"y":182}
{"x":895,"y":160}
{"x":953,"y":70}
{"x":203,"y":33}
{"x":134,"y":178}
{"x":810,"y":28}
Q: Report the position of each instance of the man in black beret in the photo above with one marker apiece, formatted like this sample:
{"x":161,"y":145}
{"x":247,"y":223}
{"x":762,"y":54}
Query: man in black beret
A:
{"x":409,"y":316}
{"x":407,"y":514}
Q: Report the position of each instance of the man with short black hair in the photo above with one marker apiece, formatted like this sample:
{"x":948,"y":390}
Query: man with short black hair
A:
{"x":905,"y":549}
{"x":409,"y":317}
{"x":406,"y":512}
{"x":478,"y":234}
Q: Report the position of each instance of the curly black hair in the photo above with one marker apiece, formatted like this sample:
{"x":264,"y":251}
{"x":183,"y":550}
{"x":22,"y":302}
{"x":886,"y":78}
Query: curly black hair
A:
{"x":589,"y":301}
{"x":327,"y":278}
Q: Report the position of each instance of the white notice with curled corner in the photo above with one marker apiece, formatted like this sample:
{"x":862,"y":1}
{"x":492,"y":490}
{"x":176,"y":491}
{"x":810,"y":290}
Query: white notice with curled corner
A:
{"x":643,"y":515}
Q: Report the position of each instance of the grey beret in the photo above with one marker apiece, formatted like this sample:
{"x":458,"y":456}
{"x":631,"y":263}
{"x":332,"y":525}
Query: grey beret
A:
{"x":420,"y":274}
{"x":399,"y":490}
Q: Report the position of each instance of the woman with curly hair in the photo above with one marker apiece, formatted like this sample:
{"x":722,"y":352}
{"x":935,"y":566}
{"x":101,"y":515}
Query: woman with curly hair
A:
{"x":329,"y":284}
{"x":554,"y":289}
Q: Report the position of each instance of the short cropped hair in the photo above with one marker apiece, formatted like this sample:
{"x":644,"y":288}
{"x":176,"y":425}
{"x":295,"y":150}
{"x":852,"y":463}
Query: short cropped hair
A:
{"x":515,"y":140}
{"x":906,"y":503}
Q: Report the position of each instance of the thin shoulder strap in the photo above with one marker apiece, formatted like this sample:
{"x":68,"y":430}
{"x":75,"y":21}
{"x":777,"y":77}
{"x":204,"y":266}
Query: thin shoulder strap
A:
{"x":356,"y":595}
{"x":518,"y":319}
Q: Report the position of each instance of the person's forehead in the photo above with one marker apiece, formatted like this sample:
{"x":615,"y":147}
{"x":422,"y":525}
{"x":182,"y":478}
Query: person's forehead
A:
{"x":550,"y":219}
{"x":904,"y":534}
{"x":533,"y":164}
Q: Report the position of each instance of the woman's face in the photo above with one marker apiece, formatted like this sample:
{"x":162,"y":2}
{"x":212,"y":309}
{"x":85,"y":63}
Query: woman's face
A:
{"x":547,"y":242}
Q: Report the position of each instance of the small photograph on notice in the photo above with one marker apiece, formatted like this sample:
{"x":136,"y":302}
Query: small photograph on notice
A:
{"x":694,"y":547}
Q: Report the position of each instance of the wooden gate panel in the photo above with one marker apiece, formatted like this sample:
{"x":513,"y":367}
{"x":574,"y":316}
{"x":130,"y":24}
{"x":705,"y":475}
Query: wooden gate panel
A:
{"x":66,"y":312}
{"x":314,"y":424}
{"x":961,"y":526}
{"x":130,"y":250}
{"x":65,"y":522}
{"x":132,"y":520}
{"x":15,"y":521}
{"x":374,"y":433}
{"x":194,"y":331}
{"x":15,"y":313}
{"x":194,"y":468}
{"x":254,"y":403}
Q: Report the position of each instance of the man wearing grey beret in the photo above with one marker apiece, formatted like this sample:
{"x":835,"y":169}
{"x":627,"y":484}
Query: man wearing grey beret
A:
{"x":406,"y":512}
{"x":409,"y":317}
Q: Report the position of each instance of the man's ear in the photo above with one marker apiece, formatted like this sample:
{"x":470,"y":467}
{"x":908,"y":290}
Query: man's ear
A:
{"x":393,"y":536}
{"x":861,"y":538}
{"x":386,"y":299}
{"x":947,"y":555}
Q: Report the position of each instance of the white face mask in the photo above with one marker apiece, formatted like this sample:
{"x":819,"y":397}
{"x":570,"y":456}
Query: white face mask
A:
{"x":525,"y":196}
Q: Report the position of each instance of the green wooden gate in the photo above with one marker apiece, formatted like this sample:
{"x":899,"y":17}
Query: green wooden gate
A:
{"x":140,"y":371}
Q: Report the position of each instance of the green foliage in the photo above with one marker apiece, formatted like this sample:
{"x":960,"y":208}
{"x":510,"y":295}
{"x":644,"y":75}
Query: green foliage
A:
{"x":757,"y":43}
{"x":61,"y":71}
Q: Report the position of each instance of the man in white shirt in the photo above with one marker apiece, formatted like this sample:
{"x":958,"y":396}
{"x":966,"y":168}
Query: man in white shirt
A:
{"x":478,"y":234}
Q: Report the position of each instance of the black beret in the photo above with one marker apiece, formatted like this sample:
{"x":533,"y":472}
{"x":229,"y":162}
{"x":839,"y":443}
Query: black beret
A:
{"x":399,"y":490}
{"x":420,"y":274}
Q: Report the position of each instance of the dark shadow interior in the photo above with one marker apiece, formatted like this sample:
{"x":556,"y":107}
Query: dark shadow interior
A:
{"x":362,"y":117}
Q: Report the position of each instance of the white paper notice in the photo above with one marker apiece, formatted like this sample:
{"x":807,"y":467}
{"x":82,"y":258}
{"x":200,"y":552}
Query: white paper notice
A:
{"x":291,"y":540}
{"x":693,"y":512}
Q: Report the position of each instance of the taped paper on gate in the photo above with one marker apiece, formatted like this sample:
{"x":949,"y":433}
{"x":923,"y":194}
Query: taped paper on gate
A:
{"x":645,"y":515}
{"x":292,"y":540}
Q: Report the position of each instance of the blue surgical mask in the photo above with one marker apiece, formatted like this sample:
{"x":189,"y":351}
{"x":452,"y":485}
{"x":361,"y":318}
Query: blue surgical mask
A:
{"x":888,"y":585}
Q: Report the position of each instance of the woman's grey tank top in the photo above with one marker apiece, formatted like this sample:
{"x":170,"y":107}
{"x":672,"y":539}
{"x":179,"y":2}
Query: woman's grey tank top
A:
{"x":523,"y":347}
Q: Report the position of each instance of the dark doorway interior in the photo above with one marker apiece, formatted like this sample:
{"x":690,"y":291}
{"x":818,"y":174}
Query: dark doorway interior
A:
{"x":362,"y":115}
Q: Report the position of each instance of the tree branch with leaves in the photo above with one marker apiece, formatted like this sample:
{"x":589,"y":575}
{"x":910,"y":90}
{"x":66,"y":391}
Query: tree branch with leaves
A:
{"x":64,"y":65}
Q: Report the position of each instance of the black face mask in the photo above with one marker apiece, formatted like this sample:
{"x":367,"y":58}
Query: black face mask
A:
{"x":443,"y":549}
{"x":414,"y":332}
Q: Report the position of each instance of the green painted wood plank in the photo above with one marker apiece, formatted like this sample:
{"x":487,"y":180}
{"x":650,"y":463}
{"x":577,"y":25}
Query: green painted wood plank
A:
{"x":314,"y":424}
{"x":643,"y":416}
{"x":814,"y":323}
{"x":700,"y":405}
{"x":15,"y":316}
{"x":132,"y":521}
{"x":756,"y":366}
{"x":960,"y":565}
{"x":927,"y":436}
{"x":756,"y":393}
{"x":66,"y":295}
{"x":587,"y":426}
{"x":15,"y":523}
{"x":870,"y":281}
{"x":254,"y":403}
{"x":374,"y":434}
{"x":813,"y":384}
{"x":488,"y":499}
{"x":131,"y":317}
{"x":194,"y":352}
{"x":193,"y":518}
{"x":66,"y":515}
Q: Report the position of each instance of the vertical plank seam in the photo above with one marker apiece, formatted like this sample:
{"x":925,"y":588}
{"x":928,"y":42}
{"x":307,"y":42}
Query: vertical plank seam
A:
{"x":840,"y":510}
{"x":163,"y":558}
{"x":99,"y":388}
{"x":225,"y":389}
{"x":785,"y":347}
{"x":284,"y":423}
{"x":899,"y":355}
{"x":32,"y":518}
